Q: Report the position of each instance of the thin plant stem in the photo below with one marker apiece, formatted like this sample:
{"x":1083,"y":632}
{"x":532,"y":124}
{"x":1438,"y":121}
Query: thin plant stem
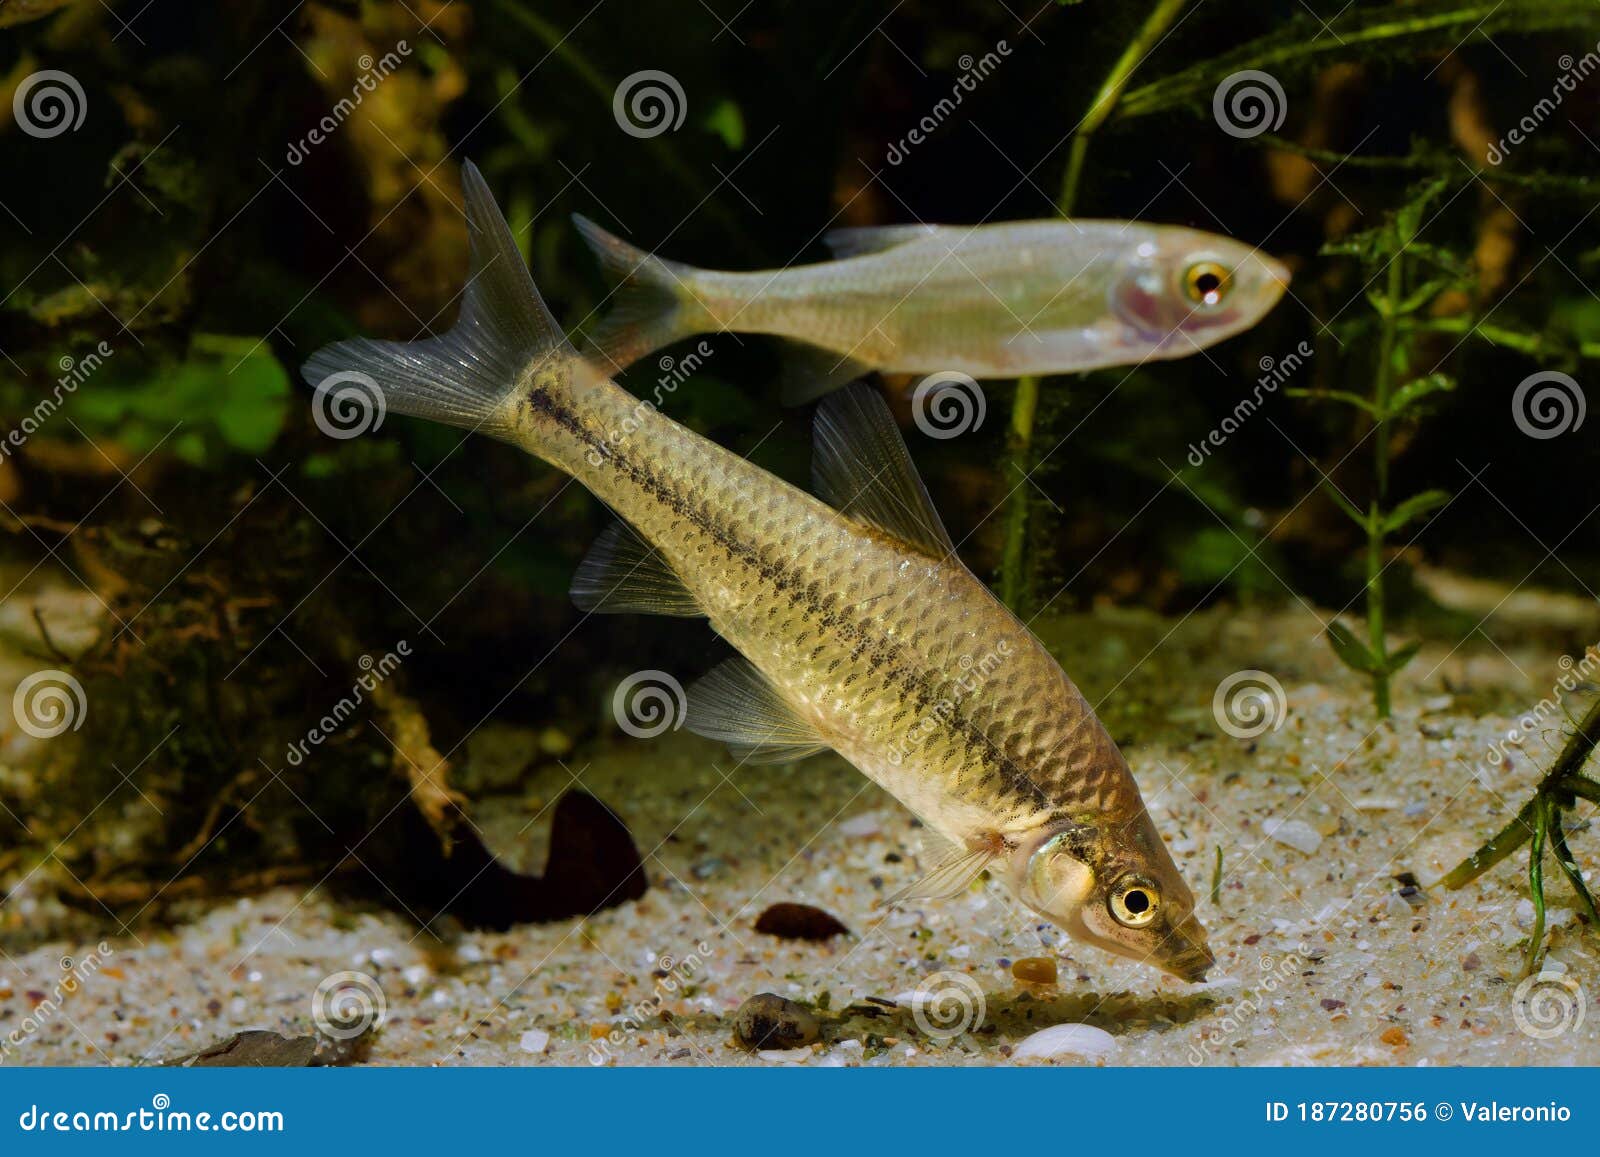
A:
{"x":1025,"y":402}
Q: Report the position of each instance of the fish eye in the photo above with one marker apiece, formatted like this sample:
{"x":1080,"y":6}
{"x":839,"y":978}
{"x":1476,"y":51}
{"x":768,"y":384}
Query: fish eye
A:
{"x":1134,"y":902}
{"x":1206,"y":283}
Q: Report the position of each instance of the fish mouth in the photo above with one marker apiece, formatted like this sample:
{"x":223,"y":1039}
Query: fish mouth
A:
{"x":1190,"y":959}
{"x":1278,"y":272}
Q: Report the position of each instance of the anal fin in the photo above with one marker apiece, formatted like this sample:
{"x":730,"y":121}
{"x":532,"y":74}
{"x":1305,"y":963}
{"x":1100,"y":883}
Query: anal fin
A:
{"x":809,"y":371}
{"x":734,"y":703}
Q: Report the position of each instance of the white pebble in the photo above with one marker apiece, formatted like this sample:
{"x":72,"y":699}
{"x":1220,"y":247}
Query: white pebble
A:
{"x":535,"y":1040}
{"x":1082,"y":1040}
{"x":865,"y":824}
{"x":1297,"y":834}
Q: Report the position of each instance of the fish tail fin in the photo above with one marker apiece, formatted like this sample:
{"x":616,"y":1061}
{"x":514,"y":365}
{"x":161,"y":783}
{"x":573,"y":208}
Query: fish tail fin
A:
{"x":468,"y":376}
{"x":653,"y":304}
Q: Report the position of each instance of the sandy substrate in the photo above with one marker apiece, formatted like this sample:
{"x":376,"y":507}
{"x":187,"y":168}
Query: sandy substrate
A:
{"x":1322,"y":955}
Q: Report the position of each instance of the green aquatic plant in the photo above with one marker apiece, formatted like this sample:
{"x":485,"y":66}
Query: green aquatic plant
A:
{"x":1542,"y":821}
{"x":1014,"y":571}
{"x":1391,"y":256}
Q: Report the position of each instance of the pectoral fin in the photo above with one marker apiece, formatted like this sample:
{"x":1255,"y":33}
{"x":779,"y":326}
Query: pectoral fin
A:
{"x":951,"y":876}
{"x":735,"y":703}
{"x":874,"y":238}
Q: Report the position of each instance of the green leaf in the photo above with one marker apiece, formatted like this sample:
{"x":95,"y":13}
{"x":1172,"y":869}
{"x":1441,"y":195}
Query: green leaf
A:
{"x":1352,"y":652}
{"x":1344,"y":503}
{"x":1413,"y":392}
{"x":1400,"y":656}
{"x":1414,"y":507}
{"x":1335,"y":396}
{"x":727,"y":122}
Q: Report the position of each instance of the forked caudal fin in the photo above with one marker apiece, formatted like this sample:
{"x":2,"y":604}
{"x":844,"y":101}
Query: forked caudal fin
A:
{"x":651,"y":304}
{"x":463,"y":377}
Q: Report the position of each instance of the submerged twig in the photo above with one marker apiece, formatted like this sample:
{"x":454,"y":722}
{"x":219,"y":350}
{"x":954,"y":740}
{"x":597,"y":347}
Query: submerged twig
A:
{"x":1541,"y":820}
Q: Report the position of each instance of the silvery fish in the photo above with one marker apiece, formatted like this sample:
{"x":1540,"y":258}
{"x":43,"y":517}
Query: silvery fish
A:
{"x":989,"y":301}
{"x":857,"y":627}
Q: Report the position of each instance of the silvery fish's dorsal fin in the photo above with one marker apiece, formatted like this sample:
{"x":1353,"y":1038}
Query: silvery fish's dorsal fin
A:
{"x":860,"y":466}
{"x":855,"y":242}
{"x":461,"y":377}
{"x":734,"y":702}
{"x":951,"y":876}
{"x":623,"y":574}
{"x":810,"y":371}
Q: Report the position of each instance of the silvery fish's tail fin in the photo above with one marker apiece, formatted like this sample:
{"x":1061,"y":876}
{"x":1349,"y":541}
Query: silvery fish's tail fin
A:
{"x":651,"y":305}
{"x":466,"y":376}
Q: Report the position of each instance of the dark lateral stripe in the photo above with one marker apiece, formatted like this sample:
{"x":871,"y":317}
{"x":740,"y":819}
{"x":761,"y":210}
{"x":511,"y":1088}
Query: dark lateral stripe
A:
{"x":884,"y":655}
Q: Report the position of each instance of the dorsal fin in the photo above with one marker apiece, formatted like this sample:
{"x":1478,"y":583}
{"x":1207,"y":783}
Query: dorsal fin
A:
{"x":623,"y":574}
{"x":734,"y":702}
{"x":856,"y":242}
{"x":860,"y":466}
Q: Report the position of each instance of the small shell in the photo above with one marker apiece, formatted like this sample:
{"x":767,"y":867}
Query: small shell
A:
{"x":1082,"y":1040}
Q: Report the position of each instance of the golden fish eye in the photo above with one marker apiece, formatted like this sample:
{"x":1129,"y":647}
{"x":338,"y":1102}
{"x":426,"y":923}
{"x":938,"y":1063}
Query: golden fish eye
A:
{"x":1135,"y":903}
{"x":1206,"y":283}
